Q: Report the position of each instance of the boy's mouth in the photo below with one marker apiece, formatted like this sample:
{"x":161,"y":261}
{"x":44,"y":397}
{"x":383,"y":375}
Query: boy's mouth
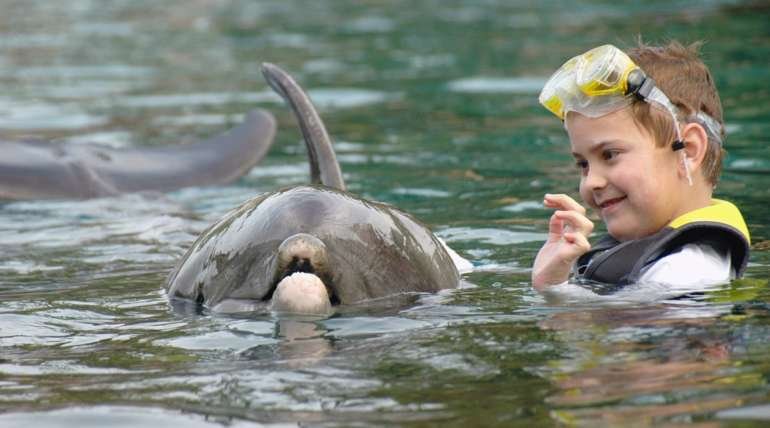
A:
{"x":611,"y":202}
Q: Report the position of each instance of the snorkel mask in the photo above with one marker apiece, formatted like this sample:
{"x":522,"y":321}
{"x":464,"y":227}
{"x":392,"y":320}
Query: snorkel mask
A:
{"x":604,"y":80}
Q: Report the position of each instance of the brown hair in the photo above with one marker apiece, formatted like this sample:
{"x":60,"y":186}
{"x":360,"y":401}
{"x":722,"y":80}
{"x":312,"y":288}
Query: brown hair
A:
{"x":679,"y":72}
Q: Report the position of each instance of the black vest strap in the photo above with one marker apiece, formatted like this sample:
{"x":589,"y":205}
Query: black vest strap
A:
{"x":621,"y":263}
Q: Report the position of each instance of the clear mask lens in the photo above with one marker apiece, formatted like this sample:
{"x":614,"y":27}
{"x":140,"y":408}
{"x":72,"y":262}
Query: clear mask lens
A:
{"x":610,"y":67}
{"x":592,"y":84}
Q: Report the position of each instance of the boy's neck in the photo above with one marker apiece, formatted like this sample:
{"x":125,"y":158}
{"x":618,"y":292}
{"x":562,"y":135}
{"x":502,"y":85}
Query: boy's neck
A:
{"x":697,"y":196}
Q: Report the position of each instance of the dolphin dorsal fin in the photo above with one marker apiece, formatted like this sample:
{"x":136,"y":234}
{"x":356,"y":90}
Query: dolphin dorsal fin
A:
{"x":324,"y":167}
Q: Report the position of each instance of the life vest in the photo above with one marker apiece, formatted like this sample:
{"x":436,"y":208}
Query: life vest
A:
{"x":621,"y":263}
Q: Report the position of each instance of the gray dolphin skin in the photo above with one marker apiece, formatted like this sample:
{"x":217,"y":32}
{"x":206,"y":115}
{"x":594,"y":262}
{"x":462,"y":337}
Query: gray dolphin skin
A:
{"x":45,"y":170}
{"x":359,"y":249}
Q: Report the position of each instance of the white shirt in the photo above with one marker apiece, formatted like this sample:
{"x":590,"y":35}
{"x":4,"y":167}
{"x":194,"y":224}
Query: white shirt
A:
{"x":694,"y":268}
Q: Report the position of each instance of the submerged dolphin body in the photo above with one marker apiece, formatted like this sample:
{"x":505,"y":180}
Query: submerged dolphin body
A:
{"x":44,"y":170}
{"x":353,"y":249}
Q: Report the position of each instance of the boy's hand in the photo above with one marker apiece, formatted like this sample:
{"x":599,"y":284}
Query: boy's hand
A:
{"x":568,"y":233}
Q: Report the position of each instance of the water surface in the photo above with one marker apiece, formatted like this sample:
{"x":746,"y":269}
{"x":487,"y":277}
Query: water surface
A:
{"x":433,"y":108}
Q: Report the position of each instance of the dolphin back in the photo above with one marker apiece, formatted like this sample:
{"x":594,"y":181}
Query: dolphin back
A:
{"x":365,"y":250}
{"x":324,"y":168}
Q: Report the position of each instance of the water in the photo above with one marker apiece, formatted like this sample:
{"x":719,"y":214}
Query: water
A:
{"x":433,"y":106}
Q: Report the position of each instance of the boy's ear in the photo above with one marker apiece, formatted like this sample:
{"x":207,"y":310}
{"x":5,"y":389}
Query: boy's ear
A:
{"x":695,"y":144}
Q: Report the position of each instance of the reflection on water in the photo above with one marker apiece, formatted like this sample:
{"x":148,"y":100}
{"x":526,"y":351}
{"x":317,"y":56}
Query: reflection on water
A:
{"x":633,"y":364}
{"x":122,"y":416}
{"x":433,"y":108}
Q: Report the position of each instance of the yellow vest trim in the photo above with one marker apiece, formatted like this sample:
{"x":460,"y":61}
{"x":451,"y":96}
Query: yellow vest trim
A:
{"x":718,"y":212}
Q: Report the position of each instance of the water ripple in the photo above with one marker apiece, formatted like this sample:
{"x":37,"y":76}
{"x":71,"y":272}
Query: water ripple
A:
{"x":199,"y":99}
{"x":85,"y":72}
{"x":31,"y":116}
{"x":491,"y":236}
{"x":498,"y":85}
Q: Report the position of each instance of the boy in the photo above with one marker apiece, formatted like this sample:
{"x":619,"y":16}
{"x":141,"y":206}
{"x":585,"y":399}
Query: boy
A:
{"x":646,"y":133}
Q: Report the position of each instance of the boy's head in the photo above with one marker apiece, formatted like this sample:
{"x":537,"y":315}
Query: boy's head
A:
{"x":605,"y":79}
{"x":687,"y":82}
{"x":633,"y":144}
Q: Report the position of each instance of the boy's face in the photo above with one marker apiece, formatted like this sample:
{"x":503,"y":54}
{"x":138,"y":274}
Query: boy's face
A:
{"x":632,"y":183}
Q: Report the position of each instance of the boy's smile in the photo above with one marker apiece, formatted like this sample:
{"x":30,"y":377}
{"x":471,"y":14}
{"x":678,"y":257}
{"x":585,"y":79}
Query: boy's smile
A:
{"x":608,"y":205}
{"x":631,"y":182}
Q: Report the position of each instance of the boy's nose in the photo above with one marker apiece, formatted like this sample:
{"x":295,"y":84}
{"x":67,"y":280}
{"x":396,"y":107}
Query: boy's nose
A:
{"x":594,"y":179}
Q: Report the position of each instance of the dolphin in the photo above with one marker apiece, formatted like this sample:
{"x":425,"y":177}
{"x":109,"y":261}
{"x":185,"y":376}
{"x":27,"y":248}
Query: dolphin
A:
{"x":310,"y":248}
{"x":46,"y":170}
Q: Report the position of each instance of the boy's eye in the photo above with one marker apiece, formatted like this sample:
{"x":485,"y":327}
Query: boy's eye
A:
{"x":581,"y":164}
{"x":610,"y":154}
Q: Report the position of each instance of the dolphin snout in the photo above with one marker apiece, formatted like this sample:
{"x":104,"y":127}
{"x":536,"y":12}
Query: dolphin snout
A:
{"x":301,"y":293}
{"x":304,"y":253}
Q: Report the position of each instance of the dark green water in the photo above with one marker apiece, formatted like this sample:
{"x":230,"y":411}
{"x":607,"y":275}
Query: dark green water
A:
{"x":433,"y":107}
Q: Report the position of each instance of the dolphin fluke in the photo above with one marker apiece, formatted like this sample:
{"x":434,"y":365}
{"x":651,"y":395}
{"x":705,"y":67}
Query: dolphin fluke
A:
{"x":324,"y":168}
{"x":38,"y":170}
{"x":218,"y":160}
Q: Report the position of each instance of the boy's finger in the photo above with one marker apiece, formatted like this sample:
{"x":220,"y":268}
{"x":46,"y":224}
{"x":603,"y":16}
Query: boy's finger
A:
{"x":555,"y":225}
{"x":579,"y":241}
{"x":562,"y":201}
{"x":578,"y":222}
